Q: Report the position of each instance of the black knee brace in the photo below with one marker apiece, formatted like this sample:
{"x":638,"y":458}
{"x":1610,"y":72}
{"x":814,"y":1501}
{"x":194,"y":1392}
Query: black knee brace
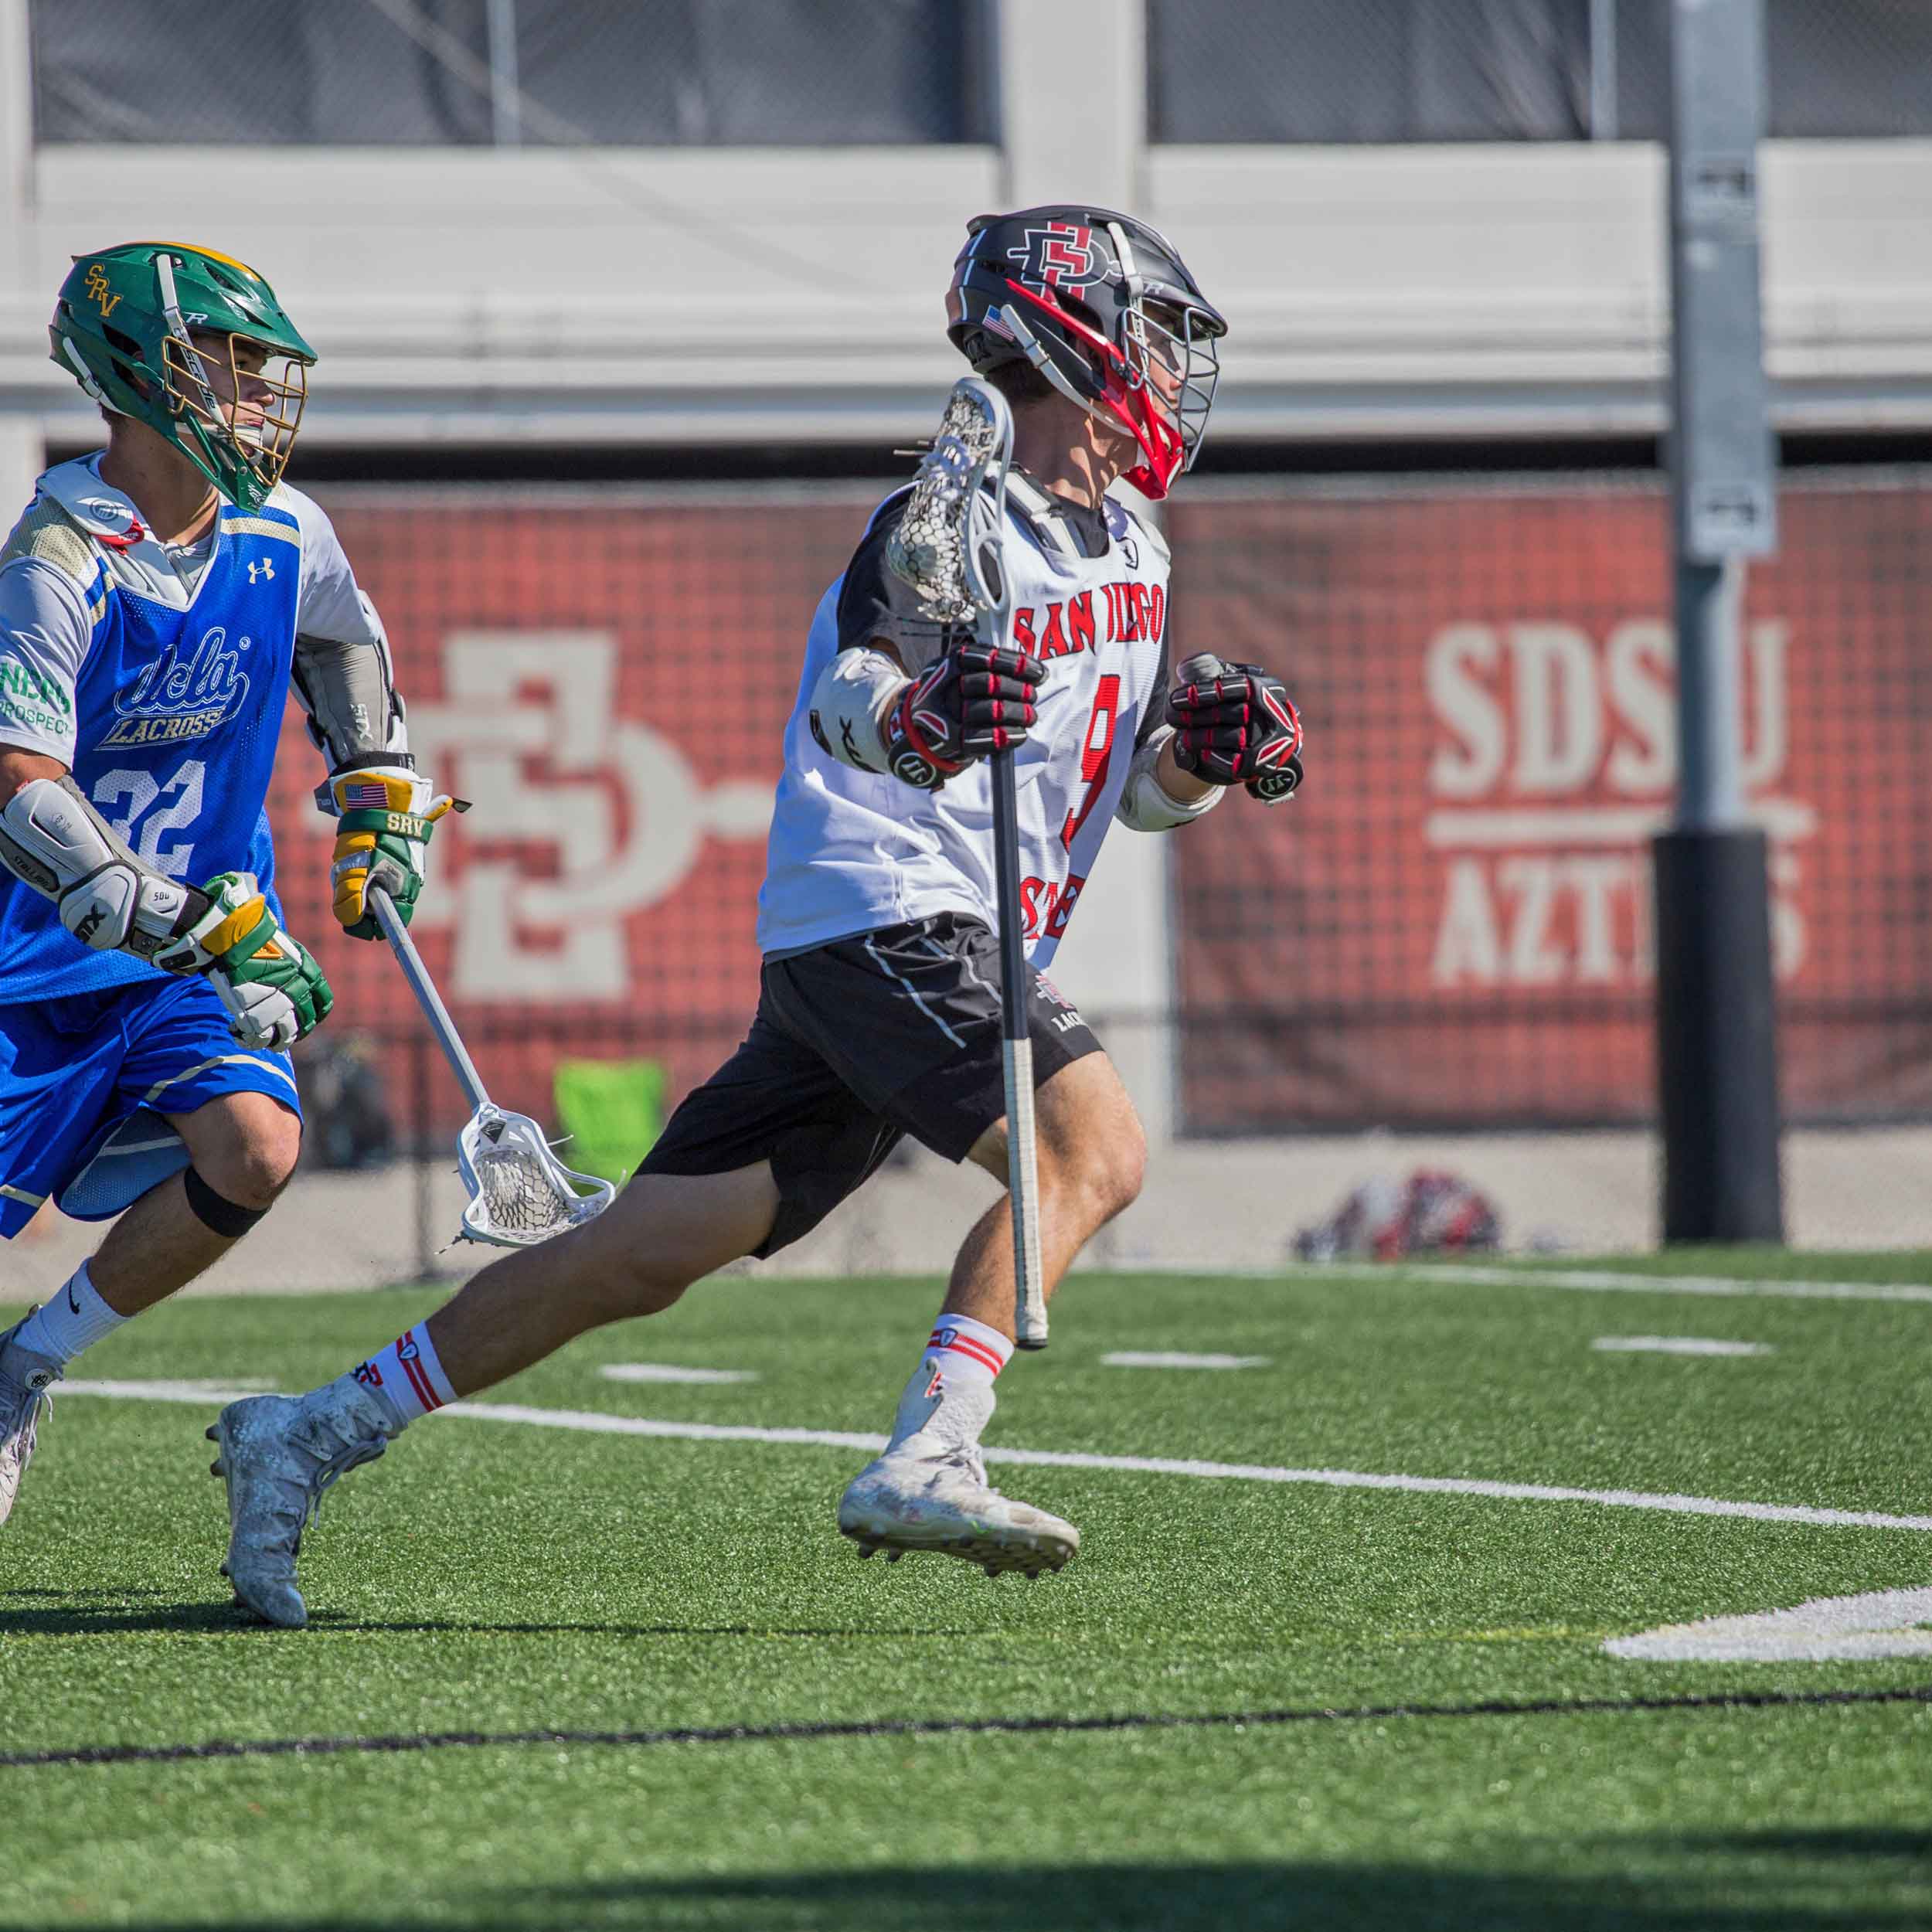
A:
{"x":227,"y":1218}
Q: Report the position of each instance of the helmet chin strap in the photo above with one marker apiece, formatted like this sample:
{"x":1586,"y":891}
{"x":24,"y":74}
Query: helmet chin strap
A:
{"x":1096,"y":408}
{"x":1036,"y":354}
{"x":87,"y":382}
{"x":1155,"y":472}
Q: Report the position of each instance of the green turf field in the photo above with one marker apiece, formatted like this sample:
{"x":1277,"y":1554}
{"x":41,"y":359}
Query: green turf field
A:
{"x":1404,"y":1656}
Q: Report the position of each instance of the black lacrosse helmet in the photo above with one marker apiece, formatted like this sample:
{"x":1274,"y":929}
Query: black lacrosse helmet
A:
{"x":1104,"y":307}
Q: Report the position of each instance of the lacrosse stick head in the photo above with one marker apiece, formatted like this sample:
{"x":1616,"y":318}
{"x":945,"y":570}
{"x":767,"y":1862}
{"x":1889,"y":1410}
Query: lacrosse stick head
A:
{"x":947,"y":543}
{"x":520,"y":1192}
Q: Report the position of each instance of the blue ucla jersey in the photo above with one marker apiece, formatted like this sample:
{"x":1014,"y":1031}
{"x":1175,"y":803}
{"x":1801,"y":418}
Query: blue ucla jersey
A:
{"x":170,"y":718}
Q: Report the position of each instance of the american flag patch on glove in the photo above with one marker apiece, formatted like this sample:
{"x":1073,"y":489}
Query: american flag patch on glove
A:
{"x":367,"y":795}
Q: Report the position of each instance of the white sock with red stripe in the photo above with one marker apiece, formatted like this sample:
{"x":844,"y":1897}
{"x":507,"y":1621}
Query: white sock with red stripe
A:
{"x":964,"y":1351}
{"x":953,"y":1381}
{"x":407,"y":1375}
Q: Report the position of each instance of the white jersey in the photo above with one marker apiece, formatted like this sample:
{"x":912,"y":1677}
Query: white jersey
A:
{"x":851,"y":852}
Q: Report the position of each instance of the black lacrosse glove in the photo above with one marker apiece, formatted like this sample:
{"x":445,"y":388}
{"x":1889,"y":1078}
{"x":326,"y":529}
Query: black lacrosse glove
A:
{"x":973,"y":700}
{"x":1234,"y":725}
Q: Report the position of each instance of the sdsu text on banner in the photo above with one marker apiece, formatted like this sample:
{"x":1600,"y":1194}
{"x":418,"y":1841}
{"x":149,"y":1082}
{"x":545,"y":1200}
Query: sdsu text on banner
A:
{"x":1452,"y":925}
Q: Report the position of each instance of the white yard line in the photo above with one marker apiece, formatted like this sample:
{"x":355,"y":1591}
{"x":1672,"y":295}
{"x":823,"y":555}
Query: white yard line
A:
{"x":1595,"y":1279}
{"x":1676,"y":1344}
{"x":672,"y":1371}
{"x":1882,"y":1622}
{"x":1157,"y":1358}
{"x":217,"y":1393}
{"x":591,"y":1423}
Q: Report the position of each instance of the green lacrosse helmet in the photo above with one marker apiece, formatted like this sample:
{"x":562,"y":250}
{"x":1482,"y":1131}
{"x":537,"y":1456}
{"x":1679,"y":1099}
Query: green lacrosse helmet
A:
{"x":122,"y":325}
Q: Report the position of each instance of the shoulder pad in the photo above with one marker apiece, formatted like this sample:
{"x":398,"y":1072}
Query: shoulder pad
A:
{"x":886,"y":505}
{"x":108,"y":517}
{"x":1122,"y":522}
{"x":48,"y":535}
{"x":285,"y":500}
{"x":110,"y":525}
{"x":1035,"y":509}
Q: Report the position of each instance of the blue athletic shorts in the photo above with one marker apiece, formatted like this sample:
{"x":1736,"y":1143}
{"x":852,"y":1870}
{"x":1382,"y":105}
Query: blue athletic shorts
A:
{"x":84,"y":1083}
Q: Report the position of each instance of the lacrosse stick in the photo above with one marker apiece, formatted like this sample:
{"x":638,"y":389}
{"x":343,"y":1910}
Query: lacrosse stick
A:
{"x":520,"y":1192}
{"x":950,"y":547}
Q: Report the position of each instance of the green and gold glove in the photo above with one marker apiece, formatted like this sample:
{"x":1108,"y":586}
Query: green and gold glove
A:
{"x":274,"y":993}
{"x":385,"y":814}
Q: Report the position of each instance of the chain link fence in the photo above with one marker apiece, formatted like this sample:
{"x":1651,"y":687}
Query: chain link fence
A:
{"x":1447,"y":932}
{"x":1452,"y":927}
{"x":1450,"y":930}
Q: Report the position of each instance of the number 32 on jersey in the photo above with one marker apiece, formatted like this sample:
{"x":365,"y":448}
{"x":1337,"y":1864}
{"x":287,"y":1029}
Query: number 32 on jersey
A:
{"x":145,"y":811}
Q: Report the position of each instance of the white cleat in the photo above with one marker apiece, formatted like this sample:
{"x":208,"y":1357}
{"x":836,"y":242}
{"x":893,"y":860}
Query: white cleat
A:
{"x":278,"y":1455}
{"x":943,"y":1503}
{"x":24,"y":1381}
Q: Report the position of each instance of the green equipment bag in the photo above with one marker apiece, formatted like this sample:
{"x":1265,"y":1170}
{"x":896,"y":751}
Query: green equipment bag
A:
{"x":613,"y":1111}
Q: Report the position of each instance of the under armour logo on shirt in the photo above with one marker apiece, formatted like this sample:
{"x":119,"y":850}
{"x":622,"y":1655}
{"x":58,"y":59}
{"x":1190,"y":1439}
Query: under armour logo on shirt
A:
{"x":265,"y":568}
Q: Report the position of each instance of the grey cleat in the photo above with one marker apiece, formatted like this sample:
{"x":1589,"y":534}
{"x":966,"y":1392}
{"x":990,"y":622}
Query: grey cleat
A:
{"x":24,"y":1381}
{"x":278,"y":1454}
{"x":943,"y":1502}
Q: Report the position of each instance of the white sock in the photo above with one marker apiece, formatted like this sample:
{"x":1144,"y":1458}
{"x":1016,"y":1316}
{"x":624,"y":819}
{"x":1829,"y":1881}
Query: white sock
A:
{"x":74,"y":1319}
{"x":955,"y":1375}
{"x":408,"y":1376}
{"x":966,"y":1353}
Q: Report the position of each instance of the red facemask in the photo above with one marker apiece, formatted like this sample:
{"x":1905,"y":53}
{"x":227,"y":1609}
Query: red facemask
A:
{"x":1131,"y":404}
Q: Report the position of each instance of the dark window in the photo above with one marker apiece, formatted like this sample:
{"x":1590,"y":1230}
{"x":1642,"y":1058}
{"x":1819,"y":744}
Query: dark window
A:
{"x":459,"y":73}
{"x":1345,"y":71}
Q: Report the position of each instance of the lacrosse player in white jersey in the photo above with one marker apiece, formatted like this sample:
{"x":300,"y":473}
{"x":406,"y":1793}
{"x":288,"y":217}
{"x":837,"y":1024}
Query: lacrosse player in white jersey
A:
{"x":879,"y":1012}
{"x":156,"y":600}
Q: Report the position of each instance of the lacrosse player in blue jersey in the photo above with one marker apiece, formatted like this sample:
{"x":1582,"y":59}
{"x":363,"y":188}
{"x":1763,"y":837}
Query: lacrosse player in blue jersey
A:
{"x":156,"y":600}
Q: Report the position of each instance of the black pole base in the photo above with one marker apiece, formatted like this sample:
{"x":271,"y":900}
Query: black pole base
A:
{"x":1716,"y":1043}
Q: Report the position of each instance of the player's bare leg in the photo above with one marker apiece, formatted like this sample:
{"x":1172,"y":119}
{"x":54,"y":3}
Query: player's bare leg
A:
{"x":243,"y":1148}
{"x":929,"y":1490}
{"x":663,"y":1233}
{"x":279,"y":1454}
{"x":1093,"y":1155}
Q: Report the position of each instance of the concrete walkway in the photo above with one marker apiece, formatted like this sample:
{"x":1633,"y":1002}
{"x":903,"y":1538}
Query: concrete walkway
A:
{"x":1207,"y":1205}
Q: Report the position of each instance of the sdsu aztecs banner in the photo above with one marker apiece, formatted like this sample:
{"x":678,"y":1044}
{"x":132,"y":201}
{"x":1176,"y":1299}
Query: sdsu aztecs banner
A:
{"x":1451,"y":925}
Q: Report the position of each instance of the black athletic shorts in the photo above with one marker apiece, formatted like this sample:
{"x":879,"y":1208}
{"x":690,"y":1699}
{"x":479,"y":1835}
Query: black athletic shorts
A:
{"x":853,"y":1044}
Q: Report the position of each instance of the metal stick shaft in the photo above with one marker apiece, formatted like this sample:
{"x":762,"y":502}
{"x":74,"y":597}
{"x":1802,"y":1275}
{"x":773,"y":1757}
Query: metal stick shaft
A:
{"x":1023,"y":1166}
{"x":428,"y":999}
